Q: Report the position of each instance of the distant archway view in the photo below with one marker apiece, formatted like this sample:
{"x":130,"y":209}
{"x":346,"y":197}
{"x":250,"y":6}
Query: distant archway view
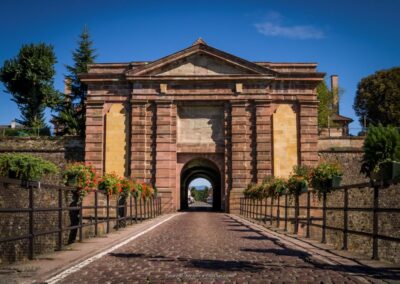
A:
{"x":200,"y":193}
{"x":200,"y":185}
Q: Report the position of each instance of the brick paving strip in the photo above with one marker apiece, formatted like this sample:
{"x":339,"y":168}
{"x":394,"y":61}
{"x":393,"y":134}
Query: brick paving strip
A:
{"x":355,"y":264}
{"x":47,"y":266}
{"x":205,"y":247}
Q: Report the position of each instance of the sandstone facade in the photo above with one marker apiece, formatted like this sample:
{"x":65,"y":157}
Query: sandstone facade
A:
{"x":201,"y":112}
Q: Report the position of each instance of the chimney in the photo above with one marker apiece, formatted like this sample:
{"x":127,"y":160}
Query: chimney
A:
{"x":335,"y":92}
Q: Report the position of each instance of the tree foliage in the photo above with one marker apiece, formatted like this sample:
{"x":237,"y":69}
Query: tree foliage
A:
{"x":71,"y":116}
{"x":325,"y":98}
{"x":378,"y":98}
{"x":28,"y":77}
{"x":200,"y":195}
{"x":382,"y":144}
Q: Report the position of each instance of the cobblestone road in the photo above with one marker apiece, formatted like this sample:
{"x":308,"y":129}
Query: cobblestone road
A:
{"x":206,"y":247}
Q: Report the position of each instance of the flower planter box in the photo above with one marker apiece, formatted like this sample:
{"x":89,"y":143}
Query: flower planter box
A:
{"x":72,"y":181}
{"x":334,"y":182}
{"x":387,"y":171}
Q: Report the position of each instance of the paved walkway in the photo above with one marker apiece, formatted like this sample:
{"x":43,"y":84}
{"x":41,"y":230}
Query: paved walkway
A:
{"x":206,"y":247}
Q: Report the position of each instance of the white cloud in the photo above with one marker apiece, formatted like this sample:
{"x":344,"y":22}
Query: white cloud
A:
{"x":273,"y":27}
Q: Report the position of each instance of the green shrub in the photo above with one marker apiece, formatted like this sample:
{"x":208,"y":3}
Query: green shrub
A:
{"x":382,"y":144}
{"x":298,"y":180}
{"x":26,"y":132}
{"x":279,"y":187}
{"x":322,"y":176}
{"x":25,"y":166}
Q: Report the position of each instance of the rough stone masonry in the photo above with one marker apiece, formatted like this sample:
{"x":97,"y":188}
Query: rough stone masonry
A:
{"x":201,"y":112}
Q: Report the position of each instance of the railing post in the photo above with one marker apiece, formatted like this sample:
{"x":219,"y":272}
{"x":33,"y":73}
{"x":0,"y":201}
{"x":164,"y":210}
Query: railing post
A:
{"x":31,"y":222}
{"x":286,"y":211}
{"x":130,"y":209}
{"x":116,"y":214}
{"x":96,"y":217}
{"x":270,"y":211}
{"x":108,"y":213}
{"x":296,"y":213}
{"x":80,"y":222}
{"x":60,"y":225}
{"x":345,"y":217}
{"x":140,"y":209}
{"x":308,"y":214}
{"x":323,"y":239}
{"x":375,"y":252}
{"x":245,"y":207}
{"x":151,"y":207}
{"x":136,"y":211}
{"x":253,"y":208}
{"x":278,"y":212}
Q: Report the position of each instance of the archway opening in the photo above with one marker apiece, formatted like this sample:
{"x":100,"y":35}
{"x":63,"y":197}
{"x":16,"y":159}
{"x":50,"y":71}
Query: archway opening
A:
{"x":200,"y":193}
{"x":201,"y":173}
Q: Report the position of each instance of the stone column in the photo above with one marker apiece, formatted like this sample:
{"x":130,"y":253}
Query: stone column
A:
{"x":241,"y":151}
{"x":263,"y":139}
{"x":166,"y":155}
{"x":308,"y":133}
{"x":94,"y":135}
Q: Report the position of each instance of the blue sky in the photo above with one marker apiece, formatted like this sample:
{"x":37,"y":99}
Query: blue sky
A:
{"x":350,"y":38}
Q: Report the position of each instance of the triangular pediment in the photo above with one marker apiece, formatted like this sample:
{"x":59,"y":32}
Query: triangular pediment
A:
{"x":200,"y":64}
{"x":200,"y":60}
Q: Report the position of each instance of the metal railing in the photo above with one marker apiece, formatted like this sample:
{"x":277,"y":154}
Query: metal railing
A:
{"x":127,"y":211}
{"x":275,"y":212}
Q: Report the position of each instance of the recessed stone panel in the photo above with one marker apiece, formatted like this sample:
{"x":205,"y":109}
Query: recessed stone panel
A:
{"x":284,"y":140}
{"x":201,"y":125}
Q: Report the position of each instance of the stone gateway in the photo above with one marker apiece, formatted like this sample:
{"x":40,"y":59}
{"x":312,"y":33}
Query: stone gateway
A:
{"x":201,"y":112}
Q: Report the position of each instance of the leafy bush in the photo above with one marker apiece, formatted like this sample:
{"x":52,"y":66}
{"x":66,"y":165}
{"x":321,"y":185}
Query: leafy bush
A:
{"x":82,"y":176}
{"x":279,"y":186}
{"x":381,"y":145}
{"x":298,"y":180}
{"x":25,"y":166}
{"x":26,"y":132}
{"x":322,"y":176}
{"x":253,"y":191}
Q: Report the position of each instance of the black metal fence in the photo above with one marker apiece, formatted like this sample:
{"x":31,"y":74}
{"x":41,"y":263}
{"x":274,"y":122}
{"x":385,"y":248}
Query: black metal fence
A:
{"x":311,"y":212}
{"x":113,"y":213}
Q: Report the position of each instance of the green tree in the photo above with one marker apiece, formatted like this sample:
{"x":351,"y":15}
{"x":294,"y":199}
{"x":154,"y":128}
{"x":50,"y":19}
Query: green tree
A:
{"x":192,"y":191}
{"x":28,"y":77}
{"x":72,"y":112}
{"x":325,"y":98}
{"x":378,"y":98}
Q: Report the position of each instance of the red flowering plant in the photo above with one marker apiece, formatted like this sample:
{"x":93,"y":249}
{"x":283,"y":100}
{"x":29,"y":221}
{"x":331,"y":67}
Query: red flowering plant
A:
{"x":147,"y":190}
{"x":111,"y":184}
{"x":82,"y":176}
{"x":128,"y":187}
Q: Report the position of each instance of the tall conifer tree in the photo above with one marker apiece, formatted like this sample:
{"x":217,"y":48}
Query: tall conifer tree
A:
{"x":72,"y":112}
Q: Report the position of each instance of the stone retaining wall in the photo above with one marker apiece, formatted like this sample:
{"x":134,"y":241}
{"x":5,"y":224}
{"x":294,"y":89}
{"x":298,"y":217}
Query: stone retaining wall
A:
{"x":59,"y":150}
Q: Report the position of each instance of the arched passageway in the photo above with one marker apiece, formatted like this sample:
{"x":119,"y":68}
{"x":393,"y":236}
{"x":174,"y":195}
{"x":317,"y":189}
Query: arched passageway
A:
{"x":201,"y":168}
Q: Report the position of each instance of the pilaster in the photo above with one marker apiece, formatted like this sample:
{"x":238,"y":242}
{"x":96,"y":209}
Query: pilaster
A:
{"x":94,"y":140}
